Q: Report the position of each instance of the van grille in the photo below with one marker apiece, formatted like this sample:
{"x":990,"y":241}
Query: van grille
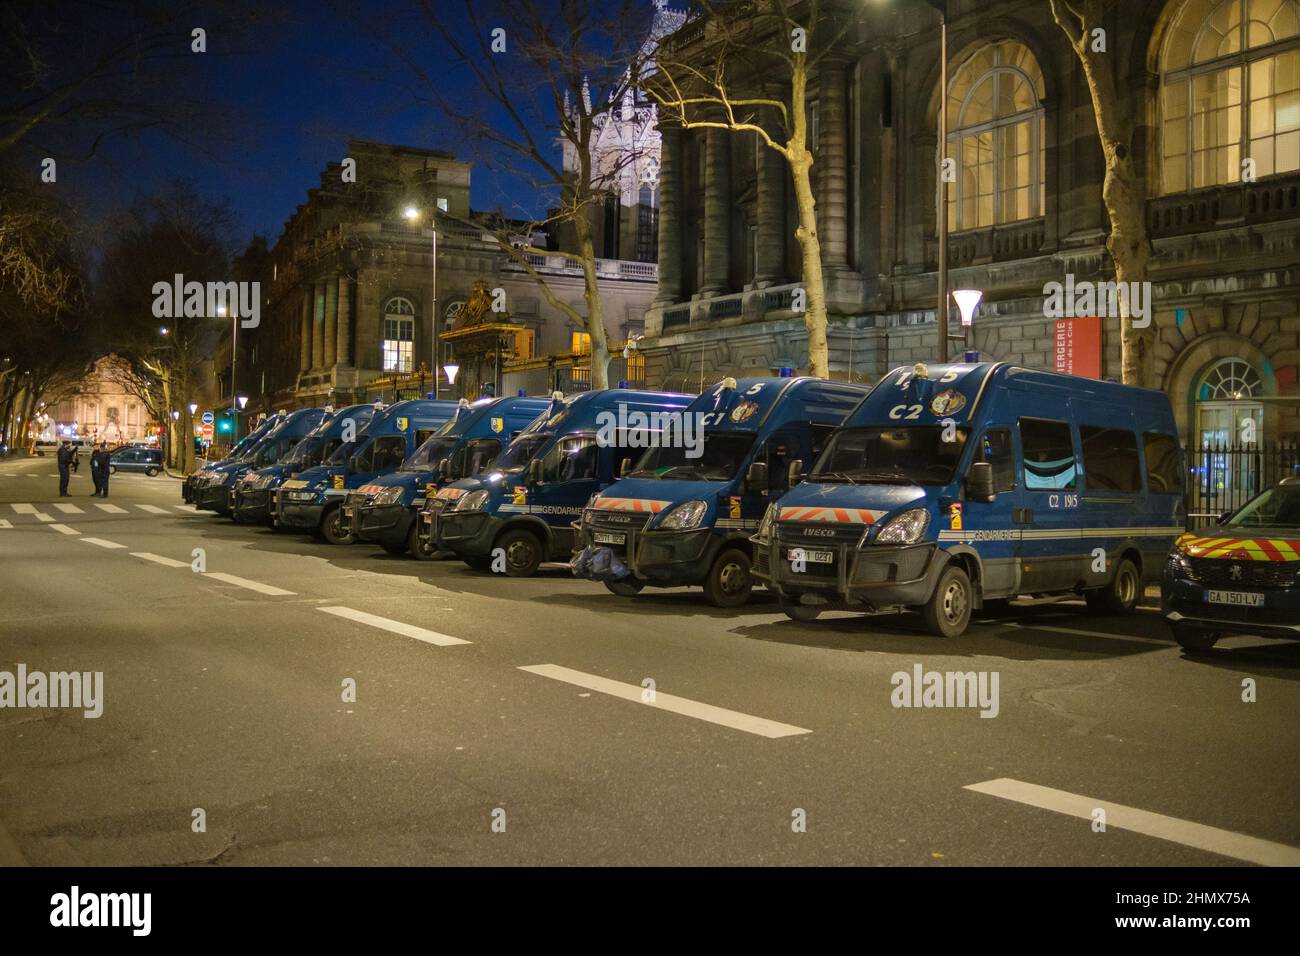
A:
{"x":1251,"y":574}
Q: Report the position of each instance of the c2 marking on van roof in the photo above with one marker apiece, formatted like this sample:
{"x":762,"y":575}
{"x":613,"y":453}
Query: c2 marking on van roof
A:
{"x":844,"y":515}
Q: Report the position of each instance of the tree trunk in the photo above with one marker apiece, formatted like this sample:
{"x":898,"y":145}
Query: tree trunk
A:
{"x":595,"y":306}
{"x":814,"y":284}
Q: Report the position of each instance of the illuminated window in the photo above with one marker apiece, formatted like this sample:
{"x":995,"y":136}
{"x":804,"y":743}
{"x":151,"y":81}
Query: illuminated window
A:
{"x":636,"y":367}
{"x":581,"y":342}
{"x":523,"y":347}
{"x":995,"y":134}
{"x":399,"y":335}
{"x":1230,"y":91}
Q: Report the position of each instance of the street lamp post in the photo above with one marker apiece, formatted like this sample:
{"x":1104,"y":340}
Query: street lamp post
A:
{"x":412,"y":213}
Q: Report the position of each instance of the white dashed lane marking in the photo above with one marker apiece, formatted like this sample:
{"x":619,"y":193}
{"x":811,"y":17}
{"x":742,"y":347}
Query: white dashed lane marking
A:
{"x":677,"y":705}
{"x":396,"y":627}
{"x":44,"y":517}
{"x":152,"y":509}
{"x":64,"y":529}
{"x":250,"y":585}
{"x":24,"y":509}
{"x":1238,"y":846}
{"x":4,"y":523}
{"x":68,"y":509}
{"x":103,"y":543}
{"x":159,"y":559}
{"x":111,"y":509}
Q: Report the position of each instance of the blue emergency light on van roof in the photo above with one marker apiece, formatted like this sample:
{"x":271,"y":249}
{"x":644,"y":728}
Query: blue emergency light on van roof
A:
{"x":785,"y":372}
{"x":522,"y":393}
{"x":622,"y":383}
{"x":972,"y":356}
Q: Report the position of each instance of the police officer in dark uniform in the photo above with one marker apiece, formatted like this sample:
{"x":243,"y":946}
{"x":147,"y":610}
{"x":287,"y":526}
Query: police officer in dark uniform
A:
{"x":65,"y":462}
{"x":99,"y":460}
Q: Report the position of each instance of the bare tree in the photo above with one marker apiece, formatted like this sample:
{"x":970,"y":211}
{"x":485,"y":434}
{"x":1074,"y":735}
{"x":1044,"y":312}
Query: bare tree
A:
{"x":749,"y":73}
{"x":543,"y":73}
{"x":1123,"y":190}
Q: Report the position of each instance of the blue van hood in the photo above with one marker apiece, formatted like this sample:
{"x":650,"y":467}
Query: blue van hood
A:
{"x":659,"y":496}
{"x":320,"y":475}
{"x":813,"y":501}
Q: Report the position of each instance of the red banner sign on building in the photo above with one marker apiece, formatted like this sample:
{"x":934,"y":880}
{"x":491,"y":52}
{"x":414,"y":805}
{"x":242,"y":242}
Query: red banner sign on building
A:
{"x":1078,"y":346}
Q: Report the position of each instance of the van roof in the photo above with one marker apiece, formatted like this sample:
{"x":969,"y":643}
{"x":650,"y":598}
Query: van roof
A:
{"x":580,"y":411}
{"x":752,"y":400}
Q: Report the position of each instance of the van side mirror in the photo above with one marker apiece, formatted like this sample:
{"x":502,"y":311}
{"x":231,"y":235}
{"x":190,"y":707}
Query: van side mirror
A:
{"x":979,"y":482}
{"x":756,"y":478}
{"x":1223,"y":518}
{"x":794,"y":474}
{"x":444,"y":469}
{"x":535,"y":471}
{"x":625,"y":468}
{"x":352,"y":464}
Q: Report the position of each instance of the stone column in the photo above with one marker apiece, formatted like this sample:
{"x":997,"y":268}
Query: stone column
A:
{"x":304,"y":324}
{"x":670,"y":223}
{"x":769,"y":264}
{"x":331,"y":321}
{"x":344,"y":348}
{"x":318,"y":327}
{"x":717,"y":212}
{"x":832,"y":201}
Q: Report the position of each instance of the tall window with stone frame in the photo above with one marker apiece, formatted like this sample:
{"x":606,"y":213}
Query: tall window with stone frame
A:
{"x":399,"y":335}
{"x":647,"y":224}
{"x":1230,"y":91}
{"x":995,"y":134}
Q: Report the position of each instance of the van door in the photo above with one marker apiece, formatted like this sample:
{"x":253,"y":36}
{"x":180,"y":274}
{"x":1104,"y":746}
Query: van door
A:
{"x":991,"y":527}
{"x":1112,"y":505}
{"x":570,"y":475}
{"x":1051,"y":550}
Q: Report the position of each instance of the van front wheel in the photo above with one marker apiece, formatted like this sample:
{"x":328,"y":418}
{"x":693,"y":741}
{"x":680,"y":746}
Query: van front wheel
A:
{"x":799,"y":612}
{"x":948,"y":611}
{"x":1121,"y":595}
{"x":628,"y":587}
{"x":728,"y":583}
{"x":523,"y":552}
{"x":333,"y":529}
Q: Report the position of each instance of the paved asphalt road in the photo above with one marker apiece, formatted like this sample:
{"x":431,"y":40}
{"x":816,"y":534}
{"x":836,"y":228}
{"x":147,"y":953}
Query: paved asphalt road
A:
{"x":222,"y":697}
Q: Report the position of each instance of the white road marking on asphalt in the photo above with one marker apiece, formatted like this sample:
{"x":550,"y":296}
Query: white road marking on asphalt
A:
{"x":1238,"y":846}
{"x":677,"y":705}
{"x":152,"y":509}
{"x":1078,"y":633}
{"x":397,"y":627}
{"x":245,"y":583}
{"x":24,"y":509}
{"x":103,"y":543}
{"x":41,"y":516}
{"x":68,"y":509}
{"x":111,"y":509}
{"x":159,"y":559}
{"x":64,"y":529}
{"x":190,"y":508}
{"x":4,"y":523}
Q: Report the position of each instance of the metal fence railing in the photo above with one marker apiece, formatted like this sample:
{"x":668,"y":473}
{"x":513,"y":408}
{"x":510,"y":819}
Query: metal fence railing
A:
{"x":1224,"y":477}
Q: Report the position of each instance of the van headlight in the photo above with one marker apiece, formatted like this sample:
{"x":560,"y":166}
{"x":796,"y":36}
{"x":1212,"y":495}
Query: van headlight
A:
{"x":389,"y":496}
{"x":1180,"y":567}
{"x":769,"y":521}
{"x":907,"y":528}
{"x":474,"y":501}
{"x":685,"y":517}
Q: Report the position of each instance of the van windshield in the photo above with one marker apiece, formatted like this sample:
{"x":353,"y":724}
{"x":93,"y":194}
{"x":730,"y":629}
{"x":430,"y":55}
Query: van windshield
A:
{"x":344,"y":452}
{"x":718,"y":458}
{"x":915,"y":454}
{"x":521,"y":450}
{"x":429,"y":454}
{"x":307,"y":452}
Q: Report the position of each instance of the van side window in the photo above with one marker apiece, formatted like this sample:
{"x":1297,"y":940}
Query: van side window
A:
{"x":995,"y":448}
{"x":572,"y":459}
{"x":782,"y":448}
{"x":821,"y":434}
{"x":424,"y":434}
{"x":1110,"y":459}
{"x":386,"y":453}
{"x":1049,"y":454}
{"x":1164,"y":469}
{"x":479,"y":454}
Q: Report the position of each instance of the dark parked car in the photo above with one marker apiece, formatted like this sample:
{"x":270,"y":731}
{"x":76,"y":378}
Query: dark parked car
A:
{"x":1240,"y":577}
{"x":148,"y":460}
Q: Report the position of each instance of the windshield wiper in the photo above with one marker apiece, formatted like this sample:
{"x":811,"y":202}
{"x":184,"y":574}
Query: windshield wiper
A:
{"x":887,"y":476}
{"x":834,"y":476}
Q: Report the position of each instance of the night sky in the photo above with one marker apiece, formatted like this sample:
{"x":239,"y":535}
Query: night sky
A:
{"x":300,"y":88}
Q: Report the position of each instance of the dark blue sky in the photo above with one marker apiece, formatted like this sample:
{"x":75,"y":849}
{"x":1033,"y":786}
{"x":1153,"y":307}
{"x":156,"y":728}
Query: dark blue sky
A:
{"x":303,"y":88}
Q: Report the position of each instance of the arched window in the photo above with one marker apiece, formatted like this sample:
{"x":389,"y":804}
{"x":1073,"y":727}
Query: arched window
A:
{"x":995,"y":134}
{"x":1226,"y":398}
{"x":399,"y":335}
{"x":1230,"y":91}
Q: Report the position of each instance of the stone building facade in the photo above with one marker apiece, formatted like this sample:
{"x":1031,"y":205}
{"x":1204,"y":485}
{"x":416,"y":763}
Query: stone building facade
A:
{"x":363,"y":270}
{"x":1211,"y":83}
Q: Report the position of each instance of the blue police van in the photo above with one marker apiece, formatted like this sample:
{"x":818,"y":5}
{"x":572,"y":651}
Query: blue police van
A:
{"x":386,"y":510}
{"x":685,"y":512}
{"x":218,"y":493}
{"x":953,"y":486}
{"x":525,"y":505}
{"x":237,"y":452}
{"x":313,"y":500}
{"x":255,"y":492}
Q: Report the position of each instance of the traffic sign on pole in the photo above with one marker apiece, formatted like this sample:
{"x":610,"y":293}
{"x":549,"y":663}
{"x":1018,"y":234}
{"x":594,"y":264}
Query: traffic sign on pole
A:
{"x":207,"y":418}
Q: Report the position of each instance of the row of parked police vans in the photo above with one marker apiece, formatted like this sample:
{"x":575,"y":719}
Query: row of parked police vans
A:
{"x":942,"y":489}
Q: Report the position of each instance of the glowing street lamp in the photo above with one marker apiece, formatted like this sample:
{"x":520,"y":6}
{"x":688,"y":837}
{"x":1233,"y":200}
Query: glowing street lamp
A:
{"x":242,"y":400}
{"x":452,"y":370}
{"x":194,"y":407}
{"x":411,"y":213}
{"x":968,"y":301}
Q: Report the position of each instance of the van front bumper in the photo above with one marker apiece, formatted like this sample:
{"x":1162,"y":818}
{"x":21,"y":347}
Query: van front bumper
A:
{"x":467,"y":532}
{"x":253,"y":505}
{"x":213,"y":498}
{"x":874,"y":576}
{"x":293,"y":513}
{"x":1184,"y":602}
{"x":662,"y":558}
{"x":384,"y":524}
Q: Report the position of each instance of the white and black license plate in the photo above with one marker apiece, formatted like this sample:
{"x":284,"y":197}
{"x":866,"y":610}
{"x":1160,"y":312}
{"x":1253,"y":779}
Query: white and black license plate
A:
{"x":1238,"y":598}
{"x":608,"y":537}
{"x":347,"y":512}
{"x":811,"y":557}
